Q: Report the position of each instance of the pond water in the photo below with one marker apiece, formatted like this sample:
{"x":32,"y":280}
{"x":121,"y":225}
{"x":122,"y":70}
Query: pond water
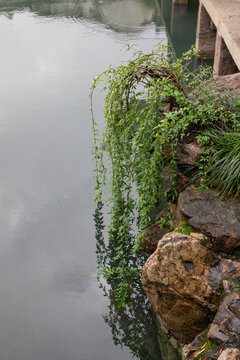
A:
{"x":51,"y":306}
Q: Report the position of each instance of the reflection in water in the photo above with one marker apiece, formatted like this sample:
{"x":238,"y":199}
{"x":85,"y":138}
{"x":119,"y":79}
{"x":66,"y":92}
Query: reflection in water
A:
{"x":120,"y":15}
{"x":50,"y":306}
{"x":127,"y":13}
{"x":132,"y":326}
{"x":123,"y":16}
{"x":180,"y":23}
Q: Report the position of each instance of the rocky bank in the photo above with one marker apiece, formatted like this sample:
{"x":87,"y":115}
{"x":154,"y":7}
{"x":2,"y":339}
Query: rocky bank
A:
{"x":192,"y":277}
{"x":193,"y":281}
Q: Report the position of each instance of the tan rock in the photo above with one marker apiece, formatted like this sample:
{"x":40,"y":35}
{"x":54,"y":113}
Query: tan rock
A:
{"x":230,"y":354}
{"x":187,"y":152}
{"x":182,"y":279}
{"x":228,"y":82}
{"x":179,"y":285}
{"x":198,"y":236}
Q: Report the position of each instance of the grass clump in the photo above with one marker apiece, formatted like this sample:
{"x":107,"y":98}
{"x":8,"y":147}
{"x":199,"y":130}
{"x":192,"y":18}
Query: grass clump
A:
{"x":184,"y":227}
{"x":224,"y":167}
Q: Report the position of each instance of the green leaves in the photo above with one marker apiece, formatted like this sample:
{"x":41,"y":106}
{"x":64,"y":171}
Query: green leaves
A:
{"x":151,"y":103}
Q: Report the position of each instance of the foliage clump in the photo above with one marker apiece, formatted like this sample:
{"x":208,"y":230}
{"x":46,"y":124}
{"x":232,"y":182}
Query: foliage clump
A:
{"x":152,"y":103}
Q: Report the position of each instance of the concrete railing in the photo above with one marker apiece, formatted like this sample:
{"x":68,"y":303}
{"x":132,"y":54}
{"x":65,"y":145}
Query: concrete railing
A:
{"x":218,"y":34}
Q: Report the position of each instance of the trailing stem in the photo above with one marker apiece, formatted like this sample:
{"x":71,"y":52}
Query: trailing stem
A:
{"x":152,"y":102}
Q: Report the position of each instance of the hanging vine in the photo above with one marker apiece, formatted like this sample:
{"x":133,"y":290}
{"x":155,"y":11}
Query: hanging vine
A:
{"x":151,"y":103}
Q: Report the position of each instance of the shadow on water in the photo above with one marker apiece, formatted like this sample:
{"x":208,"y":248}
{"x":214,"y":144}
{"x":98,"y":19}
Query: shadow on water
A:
{"x":133,"y":326}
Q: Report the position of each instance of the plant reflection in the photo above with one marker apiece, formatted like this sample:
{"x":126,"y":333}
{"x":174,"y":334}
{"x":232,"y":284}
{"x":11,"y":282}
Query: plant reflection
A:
{"x":132,"y":325}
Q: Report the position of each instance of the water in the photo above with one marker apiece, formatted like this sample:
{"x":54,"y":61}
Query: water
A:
{"x":51,"y":306}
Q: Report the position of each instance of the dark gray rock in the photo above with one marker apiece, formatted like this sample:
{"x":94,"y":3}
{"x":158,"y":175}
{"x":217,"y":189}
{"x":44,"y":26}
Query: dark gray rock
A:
{"x":192,"y":350}
{"x":224,"y":332}
{"x":218,"y":219}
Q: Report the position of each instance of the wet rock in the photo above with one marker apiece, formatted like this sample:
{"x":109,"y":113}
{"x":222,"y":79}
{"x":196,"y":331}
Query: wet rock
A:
{"x":228,"y":82}
{"x":216,"y":218}
{"x":177,"y":278}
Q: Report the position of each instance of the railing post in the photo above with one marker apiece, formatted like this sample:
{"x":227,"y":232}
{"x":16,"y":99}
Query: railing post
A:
{"x":223,"y":61}
{"x":206,"y":34}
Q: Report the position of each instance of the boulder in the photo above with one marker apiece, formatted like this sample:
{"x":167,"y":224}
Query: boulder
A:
{"x":180,"y":286}
{"x":228,"y":82}
{"x":216,"y":218}
{"x":230,"y":354}
{"x":188,"y":153}
{"x":182,"y":279}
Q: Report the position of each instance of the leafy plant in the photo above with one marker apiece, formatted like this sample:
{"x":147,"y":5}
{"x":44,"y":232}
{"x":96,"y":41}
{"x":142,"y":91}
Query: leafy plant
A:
{"x":183,"y":227}
{"x":152,"y":102}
